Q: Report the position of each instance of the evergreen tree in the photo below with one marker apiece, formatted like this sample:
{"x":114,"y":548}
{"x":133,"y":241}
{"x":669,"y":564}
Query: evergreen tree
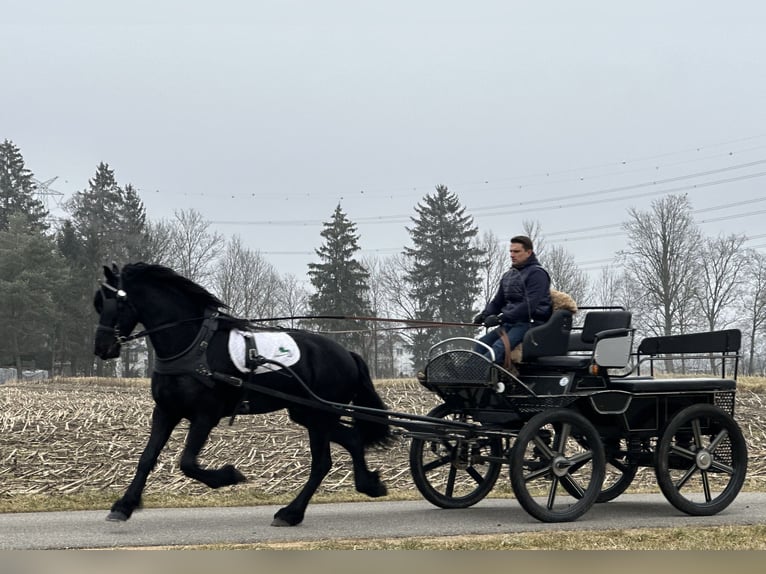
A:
{"x":340,"y":281}
{"x":17,"y":191}
{"x":443,"y":267}
{"x":107,"y":223}
{"x":31,"y":277}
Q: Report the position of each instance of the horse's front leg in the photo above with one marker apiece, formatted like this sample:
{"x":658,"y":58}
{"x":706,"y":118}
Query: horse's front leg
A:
{"x":199,"y":431}
{"x":162,"y":427}
{"x":321,"y":462}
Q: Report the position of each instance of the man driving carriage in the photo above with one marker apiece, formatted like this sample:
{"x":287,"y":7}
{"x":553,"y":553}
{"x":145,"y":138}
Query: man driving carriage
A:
{"x":522,"y":300}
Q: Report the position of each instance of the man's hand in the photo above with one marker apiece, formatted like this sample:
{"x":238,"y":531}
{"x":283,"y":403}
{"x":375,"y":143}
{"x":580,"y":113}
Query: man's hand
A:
{"x":478,"y":319}
{"x":492,"y":321}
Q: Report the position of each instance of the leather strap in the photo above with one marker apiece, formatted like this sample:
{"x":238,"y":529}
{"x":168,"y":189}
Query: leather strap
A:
{"x":507,"y":345}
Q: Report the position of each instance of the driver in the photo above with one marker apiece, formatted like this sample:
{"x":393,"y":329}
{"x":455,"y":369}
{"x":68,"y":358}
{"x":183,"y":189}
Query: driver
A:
{"x":522,"y":300}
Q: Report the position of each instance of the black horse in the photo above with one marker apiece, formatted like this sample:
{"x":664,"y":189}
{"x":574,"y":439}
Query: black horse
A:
{"x":195,"y":379}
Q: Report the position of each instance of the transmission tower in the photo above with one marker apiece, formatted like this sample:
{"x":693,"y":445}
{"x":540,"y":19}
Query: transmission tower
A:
{"x":44,"y":193}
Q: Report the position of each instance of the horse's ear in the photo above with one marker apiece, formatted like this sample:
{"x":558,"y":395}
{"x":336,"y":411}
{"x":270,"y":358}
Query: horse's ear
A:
{"x":115,"y":269}
{"x":109,"y":274}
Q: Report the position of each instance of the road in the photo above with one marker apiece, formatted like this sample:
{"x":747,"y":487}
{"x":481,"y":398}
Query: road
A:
{"x":353,"y":520}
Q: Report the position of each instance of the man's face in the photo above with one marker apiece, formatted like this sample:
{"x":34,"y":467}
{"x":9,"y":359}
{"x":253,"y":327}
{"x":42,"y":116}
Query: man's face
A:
{"x":519,"y":254}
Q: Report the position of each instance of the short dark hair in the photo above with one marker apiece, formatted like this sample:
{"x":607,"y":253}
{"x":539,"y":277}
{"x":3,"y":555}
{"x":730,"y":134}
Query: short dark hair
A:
{"x":524,"y":240}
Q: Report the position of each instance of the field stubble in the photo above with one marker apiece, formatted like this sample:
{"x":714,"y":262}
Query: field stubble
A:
{"x":80,"y":437}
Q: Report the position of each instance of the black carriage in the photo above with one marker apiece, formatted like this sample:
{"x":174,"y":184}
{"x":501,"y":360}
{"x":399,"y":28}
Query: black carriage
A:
{"x":581,"y":416}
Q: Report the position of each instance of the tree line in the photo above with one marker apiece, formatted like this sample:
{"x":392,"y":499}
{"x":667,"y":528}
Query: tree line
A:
{"x":670,"y":275}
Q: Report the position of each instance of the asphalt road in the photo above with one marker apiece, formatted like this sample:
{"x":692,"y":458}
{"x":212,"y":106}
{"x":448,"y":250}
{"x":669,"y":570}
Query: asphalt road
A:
{"x":193,"y":526}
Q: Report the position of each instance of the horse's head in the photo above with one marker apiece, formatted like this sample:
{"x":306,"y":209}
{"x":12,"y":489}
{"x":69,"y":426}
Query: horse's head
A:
{"x":117,"y":317}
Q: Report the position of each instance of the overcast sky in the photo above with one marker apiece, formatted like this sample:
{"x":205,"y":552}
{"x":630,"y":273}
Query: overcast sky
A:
{"x":270,"y":113}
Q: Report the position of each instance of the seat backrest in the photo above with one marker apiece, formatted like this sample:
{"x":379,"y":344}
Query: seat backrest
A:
{"x":549,"y":339}
{"x":595,"y":322}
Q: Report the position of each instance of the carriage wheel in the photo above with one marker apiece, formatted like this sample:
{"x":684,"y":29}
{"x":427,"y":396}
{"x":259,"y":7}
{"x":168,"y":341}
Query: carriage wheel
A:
{"x":620,"y":472}
{"x":618,"y":475}
{"x":455,"y":472}
{"x":701,"y":460}
{"x":557,"y":451}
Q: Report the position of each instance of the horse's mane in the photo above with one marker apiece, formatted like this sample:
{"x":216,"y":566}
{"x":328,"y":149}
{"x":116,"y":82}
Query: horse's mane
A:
{"x":171,"y":279}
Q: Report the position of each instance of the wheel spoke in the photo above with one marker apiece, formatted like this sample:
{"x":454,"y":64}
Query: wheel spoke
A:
{"x":574,"y":485}
{"x":475,"y":474}
{"x":706,"y":486}
{"x":451,"y":482}
{"x":717,"y":440}
{"x":552,"y":492}
{"x":438,"y":463}
{"x":687,"y":475}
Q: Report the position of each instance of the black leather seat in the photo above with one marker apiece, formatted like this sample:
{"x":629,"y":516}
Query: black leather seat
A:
{"x":595,"y":322}
{"x":549,"y":339}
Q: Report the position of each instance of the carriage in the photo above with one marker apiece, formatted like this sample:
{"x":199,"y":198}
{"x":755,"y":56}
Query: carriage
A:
{"x":574,"y":421}
{"x":582,"y":414}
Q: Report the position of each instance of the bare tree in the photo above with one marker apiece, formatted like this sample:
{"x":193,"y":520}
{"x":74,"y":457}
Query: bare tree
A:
{"x":495,"y":263}
{"x":565,"y":275}
{"x":607,"y":289}
{"x":293,"y":299}
{"x":158,"y":241}
{"x":753,"y":306}
{"x":721,"y":267}
{"x":193,"y":248}
{"x":661,"y":259}
{"x":246,"y":281}
{"x":534,"y":230}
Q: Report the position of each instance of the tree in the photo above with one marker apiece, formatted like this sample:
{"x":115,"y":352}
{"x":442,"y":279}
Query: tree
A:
{"x":192,"y":247}
{"x":31,"y":277}
{"x":722,"y":265}
{"x":753,"y":306}
{"x":107,"y":224}
{"x":442,"y":266}
{"x":565,"y":275}
{"x":17,"y":189}
{"x":246,"y":282}
{"x":340,"y":281}
{"x":494,"y":263}
{"x":661,"y":258}
{"x":293,"y":298}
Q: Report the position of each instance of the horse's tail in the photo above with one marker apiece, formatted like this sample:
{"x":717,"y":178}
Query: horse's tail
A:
{"x":373,"y":433}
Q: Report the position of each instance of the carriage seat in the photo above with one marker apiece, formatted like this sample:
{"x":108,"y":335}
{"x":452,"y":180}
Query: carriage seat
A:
{"x":606,"y":338}
{"x":584,"y":340}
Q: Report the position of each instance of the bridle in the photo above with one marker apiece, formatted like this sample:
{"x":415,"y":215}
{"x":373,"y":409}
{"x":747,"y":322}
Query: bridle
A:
{"x":115,"y":305}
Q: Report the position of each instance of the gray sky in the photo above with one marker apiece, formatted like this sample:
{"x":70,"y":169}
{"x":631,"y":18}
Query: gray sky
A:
{"x":271,"y":112}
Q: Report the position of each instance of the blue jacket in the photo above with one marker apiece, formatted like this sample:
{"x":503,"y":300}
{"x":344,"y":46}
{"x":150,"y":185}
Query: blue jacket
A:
{"x":524,"y":294}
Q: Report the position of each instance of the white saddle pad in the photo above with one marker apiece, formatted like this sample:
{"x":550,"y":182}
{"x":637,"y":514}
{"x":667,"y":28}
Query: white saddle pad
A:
{"x":276,"y":346}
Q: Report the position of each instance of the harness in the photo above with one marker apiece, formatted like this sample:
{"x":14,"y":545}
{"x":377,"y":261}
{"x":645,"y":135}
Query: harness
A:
{"x":193,"y":360}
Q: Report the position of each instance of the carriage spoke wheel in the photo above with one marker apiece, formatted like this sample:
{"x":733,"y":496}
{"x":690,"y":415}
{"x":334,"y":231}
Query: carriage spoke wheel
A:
{"x":701,"y":460}
{"x":619,"y":473}
{"x":454,"y":472}
{"x":557,"y":465}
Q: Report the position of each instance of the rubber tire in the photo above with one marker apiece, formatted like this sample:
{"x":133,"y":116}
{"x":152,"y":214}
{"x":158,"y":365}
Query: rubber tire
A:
{"x":594,"y":454}
{"x":442,"y":495}
{"x":737,"y":470}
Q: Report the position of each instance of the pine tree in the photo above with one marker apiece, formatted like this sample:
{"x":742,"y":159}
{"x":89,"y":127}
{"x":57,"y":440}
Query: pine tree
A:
{"x":107,"y":224}
{"x":443,"y":267}
{"x":17,"y":191}
{"x":31,"y":279}
{"x":340,"y":281}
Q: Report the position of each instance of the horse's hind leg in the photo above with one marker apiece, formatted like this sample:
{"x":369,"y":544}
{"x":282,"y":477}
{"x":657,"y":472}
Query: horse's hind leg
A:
{"x":321,"y":462}
{"x":366,"y":481}
{"x":162,"y":427}
{"x":199,"y":431}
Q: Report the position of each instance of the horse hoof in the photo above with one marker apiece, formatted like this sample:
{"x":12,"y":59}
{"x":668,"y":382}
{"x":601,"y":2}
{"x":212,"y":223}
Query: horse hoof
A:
{"x":280,"y":522}
{"x":117,"y":516}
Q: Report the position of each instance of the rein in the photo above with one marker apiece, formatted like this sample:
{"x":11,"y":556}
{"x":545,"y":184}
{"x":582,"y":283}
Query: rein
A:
{"x":415,"y":323}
